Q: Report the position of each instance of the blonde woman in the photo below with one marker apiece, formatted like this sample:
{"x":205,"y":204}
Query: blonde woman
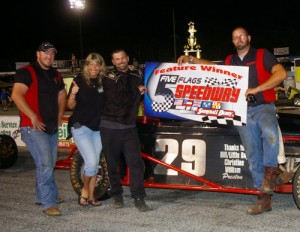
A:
{"x":86,"y":98}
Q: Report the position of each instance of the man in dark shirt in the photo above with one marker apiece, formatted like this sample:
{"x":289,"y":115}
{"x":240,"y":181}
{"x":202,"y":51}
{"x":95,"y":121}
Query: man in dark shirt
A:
{"x":39,"y":93}
{"x":123,"y":89}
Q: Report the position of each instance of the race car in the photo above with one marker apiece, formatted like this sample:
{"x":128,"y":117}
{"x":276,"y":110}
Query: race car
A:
{"x":188,"y":155}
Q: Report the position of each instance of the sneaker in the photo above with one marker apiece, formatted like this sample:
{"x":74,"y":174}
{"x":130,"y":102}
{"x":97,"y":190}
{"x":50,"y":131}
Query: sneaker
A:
{"x":52,"y":211}
{"x":140,"y":204}
{"x":118,"y":202}
{"x":59,"y":200}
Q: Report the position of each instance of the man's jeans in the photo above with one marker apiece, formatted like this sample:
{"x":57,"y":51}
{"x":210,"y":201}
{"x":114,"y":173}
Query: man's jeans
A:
{"x":260,"y":138}
{"x":89,"y":144}
{"x":43,"y":149}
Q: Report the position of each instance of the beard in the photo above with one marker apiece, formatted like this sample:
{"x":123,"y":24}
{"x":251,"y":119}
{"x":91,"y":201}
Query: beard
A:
{"x":242,"y":46}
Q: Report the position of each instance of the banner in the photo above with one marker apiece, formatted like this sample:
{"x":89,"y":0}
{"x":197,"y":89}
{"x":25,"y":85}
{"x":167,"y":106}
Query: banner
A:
{"x":205,"y":93}
{"x":9,"y":125}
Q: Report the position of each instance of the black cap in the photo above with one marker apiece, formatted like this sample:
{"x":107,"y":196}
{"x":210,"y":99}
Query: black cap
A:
{"x":46,"y":46}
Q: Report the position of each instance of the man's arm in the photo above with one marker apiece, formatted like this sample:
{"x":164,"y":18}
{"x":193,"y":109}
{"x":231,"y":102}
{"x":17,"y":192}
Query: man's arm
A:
{"x":194,"y":60}
{"x":18,"y":93}
{"x":62,"y":99}
{"x":278,"y":75}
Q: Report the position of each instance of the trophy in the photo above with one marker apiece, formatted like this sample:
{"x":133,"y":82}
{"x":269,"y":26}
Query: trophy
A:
{"x":192,"y":46}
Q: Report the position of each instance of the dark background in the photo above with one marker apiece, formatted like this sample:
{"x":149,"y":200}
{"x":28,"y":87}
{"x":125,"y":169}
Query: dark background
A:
{"x":145,"y":29}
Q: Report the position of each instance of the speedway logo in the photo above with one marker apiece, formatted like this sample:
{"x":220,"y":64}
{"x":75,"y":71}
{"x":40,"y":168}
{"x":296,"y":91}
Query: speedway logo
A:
{"x":206,"y":93}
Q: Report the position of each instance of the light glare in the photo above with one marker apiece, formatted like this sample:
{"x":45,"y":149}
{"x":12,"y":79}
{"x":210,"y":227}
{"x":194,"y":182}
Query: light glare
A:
{"x":77,"y":4}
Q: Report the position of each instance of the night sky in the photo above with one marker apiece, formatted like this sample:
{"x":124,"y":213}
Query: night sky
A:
{"x":144,"y":28}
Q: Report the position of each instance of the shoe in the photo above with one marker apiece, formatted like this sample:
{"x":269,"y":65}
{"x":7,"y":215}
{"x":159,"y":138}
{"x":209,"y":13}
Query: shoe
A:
{"x":85,"y":199}
{"x":52,"y":211}
{"x":58,"y":200}
{"x":94,"y":203}
{"x":262,"y":205}
{"x":140,"y":204}
{"x":118,"y":201}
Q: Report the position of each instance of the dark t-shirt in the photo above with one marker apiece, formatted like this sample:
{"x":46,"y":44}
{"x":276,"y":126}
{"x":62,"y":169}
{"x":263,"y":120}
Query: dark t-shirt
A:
{"x":42,"y":95}
{"x":269,"y":60}
{"x":89,"y":103}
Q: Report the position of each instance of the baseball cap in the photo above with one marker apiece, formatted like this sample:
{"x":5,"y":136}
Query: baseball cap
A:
{"x":46,"y":46}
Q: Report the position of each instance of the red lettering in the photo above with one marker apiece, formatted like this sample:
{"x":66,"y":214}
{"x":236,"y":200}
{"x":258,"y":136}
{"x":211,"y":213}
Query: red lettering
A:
{"x":216,"y":94}
{"x":226,"y":94}
{"x":200,"y":92}
{"x":193,"y":91}
{"x":186,"y":91}
{"x":235,"y":95}
{"x":207,"y":93}
{"x":175,"y":68}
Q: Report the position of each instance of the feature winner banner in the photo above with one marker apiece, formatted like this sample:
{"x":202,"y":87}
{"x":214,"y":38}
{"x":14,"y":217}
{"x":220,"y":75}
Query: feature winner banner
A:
{"x":205,"y":93}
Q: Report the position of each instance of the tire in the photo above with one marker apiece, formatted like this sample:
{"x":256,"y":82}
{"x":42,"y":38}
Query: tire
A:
{"x":296,"y":188}
{"x":8,"y":151}
{"x":297,"y":100}
{"x":76,"y":175}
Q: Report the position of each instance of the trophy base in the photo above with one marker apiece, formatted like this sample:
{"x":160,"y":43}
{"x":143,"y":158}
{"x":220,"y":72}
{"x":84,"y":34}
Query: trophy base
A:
{"x":187,"y":53}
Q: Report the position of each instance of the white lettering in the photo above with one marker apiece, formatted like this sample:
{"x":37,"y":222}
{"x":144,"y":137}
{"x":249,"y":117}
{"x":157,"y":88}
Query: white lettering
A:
{"x":232,"y":177}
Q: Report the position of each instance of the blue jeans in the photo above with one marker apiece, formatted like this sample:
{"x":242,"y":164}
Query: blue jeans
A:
{"x":43,"y":149}
{"x":260,"y":139}
{"x":89,"y":145}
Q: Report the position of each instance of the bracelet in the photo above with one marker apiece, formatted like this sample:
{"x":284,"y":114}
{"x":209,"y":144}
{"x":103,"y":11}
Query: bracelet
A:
{"x":191,"y":59}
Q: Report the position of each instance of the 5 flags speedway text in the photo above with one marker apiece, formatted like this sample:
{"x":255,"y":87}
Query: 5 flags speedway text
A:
{"x":206,"y":93}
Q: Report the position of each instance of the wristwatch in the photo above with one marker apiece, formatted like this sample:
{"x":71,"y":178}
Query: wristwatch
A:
{"x":191,"y":59}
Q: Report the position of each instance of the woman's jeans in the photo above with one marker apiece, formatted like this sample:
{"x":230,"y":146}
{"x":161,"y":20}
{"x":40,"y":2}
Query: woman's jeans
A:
{"x":260,"y":138}
{"x":89,"y":145}
{"x":43,"y":149}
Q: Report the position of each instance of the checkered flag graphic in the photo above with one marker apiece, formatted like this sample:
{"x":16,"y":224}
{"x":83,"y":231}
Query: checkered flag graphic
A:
{"x":235,"y":121}
{"x":230,"y":82}
{"x":212,"y":81}
{"x":163,"y":106}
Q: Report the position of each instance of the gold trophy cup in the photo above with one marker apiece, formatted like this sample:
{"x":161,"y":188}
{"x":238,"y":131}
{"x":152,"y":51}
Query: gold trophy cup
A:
{"x":192,"y":46}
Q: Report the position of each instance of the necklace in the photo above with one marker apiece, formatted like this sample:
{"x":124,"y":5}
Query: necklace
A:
{"x":94,"y":82}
